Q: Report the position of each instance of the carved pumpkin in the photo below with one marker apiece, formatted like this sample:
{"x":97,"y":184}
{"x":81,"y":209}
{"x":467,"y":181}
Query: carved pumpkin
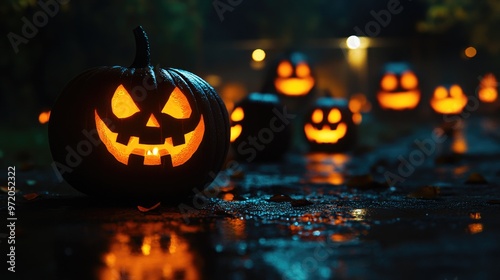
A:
{"x":138,"y":131}
{"x":292,"y":76}
{"x":448,"y":100}
{"x":257,"y":131}
{"x":329,"y":126}
{"x":488,"y":91}
{"x":399,"y":88}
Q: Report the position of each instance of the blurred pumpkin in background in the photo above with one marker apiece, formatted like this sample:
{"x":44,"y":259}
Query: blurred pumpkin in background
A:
{"x":291,"y":76}
{"x":448,"y":99}
{"x":329,"y":125}
{"x":399,"y":87}
{"x":257,"y":131}
{"x":488,"y":88}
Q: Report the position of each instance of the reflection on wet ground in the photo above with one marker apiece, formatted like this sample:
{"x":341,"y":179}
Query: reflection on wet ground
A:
{"x":317,"y":216}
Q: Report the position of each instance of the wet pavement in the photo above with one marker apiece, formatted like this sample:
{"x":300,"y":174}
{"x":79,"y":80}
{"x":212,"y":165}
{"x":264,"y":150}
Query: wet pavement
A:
{"x":313,"y":216}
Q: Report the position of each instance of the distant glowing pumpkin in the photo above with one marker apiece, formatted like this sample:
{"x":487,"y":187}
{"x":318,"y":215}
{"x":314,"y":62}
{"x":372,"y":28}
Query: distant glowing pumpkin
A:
{"x":488,"y":89}
{"x":399,"y":87}
{"x":448,"y":100}
{"x":293,"y":76}
{"x":255,"y":118}
{"x":329,"y":125}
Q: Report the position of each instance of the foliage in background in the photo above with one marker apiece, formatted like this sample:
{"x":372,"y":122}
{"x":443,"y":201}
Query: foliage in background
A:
{"x":91,"y":33}
{"x":86,"y":34}
{"x":478,"y":21}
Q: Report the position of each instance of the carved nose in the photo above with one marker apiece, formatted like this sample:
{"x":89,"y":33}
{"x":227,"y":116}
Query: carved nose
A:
{"x":152,"y":122}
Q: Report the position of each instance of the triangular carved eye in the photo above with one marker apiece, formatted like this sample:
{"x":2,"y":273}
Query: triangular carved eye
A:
{"x":177,"y":105}
{"x":122,"y":104}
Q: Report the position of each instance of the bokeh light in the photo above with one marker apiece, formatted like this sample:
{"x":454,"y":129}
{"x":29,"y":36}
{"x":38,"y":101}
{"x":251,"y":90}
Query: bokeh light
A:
{"x":258,"y":55}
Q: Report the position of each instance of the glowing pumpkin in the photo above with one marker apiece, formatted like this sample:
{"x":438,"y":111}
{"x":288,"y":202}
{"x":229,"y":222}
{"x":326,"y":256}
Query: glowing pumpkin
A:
{"x":488,"y":91}
{"x":257,"y":131}
{"x":329,"y":125}
{"x":292,"y":76}
{"x":448,"y":100}
{"x":399,"y":88}
{"x":138,"y":132}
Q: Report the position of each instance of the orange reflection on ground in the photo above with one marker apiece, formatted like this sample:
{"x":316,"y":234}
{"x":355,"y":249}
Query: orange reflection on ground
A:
{"x":232,"y":229}
{"x":326,"y":168}
{"x":459,"y":144}
{"x":358,"y":214}
{"x":149,"y":251}
{"x":342,"y":237}
{"x":460,"y":170}
{"x":475,"y":228}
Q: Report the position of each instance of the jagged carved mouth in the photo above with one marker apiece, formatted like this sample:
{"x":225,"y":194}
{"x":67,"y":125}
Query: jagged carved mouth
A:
{"x":325,"y":135}
{"x":152,"y":154}
{"x":399,"y":100}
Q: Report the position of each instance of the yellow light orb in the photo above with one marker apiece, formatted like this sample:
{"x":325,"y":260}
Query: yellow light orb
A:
{"x":258,"y":55}
{"x":353,"y":42}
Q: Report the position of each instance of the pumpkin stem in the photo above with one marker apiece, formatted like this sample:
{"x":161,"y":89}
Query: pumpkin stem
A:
{"x":142,"y":51}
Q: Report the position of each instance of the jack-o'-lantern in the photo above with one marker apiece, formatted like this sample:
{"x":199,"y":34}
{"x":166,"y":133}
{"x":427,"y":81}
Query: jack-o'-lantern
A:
{"x":292,"y":75}
{"x":258,"y":132}
{"x":488,"y":89}
{"x":448,"y":100}
{"x":399,"y":88}
{"x":329,"y":126}
{"x":138,"y":132}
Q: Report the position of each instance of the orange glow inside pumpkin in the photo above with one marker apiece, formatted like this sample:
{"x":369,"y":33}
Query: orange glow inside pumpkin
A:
{"x":407,"y":98}
{"x":326,"y":134}
{"x":488,"y":92}
{"x":303,"y":70}
{"x":123,"y":106}
{"x":236,"y":116}
{"x":152,"y":122}
{"x":285,"y":69}
{"x":409,"y":80}
{"x":389,"y":82}
{"x":288,"y":84}
{"x":452,"y":103}
{"x":177,"y":105}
